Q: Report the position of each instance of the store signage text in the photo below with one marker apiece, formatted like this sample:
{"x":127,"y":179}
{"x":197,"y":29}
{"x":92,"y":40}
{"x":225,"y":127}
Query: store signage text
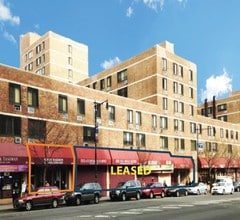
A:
{"x":133,"y":170}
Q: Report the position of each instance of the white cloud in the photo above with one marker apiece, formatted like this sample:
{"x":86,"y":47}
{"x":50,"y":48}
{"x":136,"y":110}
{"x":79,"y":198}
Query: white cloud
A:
{"x":129,"y":12}
{"x":6,"y":15}
{"x":9,"y":37}
{"x":110,"y":63}
{"x":154,"y":4}
{"x":217,"y":86}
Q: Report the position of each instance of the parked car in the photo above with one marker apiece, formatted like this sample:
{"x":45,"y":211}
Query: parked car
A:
{"x":223,"y":186}
{"x":197,"y":188}
{"x":126,"y":190}
{"x":153,"y":189}
{"x":177,"y":190}
{"x":44,"y":196}
{"x":87,"y":192}
{"x":236,"y":186}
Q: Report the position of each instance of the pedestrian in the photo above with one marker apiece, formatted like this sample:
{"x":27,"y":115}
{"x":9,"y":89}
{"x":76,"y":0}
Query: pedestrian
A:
{"x":23,"y":188}
{"x":46,"y":183}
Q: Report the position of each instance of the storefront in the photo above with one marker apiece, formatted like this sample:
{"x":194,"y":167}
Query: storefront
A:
{"x":13,"y":168}
{"x":52,"y":163}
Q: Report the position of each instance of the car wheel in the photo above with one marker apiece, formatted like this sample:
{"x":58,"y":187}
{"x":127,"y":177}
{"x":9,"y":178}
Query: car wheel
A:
{"x":232,"y":191}
{"x":78,"y":200}
{"x":55,"y":203}
{"x":198,"y":192}
{"x":96,"y":199}
{"x":162,"y":195}
{"x":124,"y":197}
{"x":223,"y":192}
{"x":186,"y":193}
{"x":177,"y":193}
{"x":28,"y":205}
{"x":151,"y":196}
{"x":238,"y":189}
{"x":205,"y":192}
{"x":138,"y":196}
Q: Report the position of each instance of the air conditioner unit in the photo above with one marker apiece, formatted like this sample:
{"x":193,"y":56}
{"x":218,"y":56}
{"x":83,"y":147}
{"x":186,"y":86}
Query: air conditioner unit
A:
{"x":65,"y":115}
{"x":31,"y":109}
{"x":99,"y":121}
{"x":110,"y":122}
{"x":85,"y":144}
{"x":17,"y":140}
{"x":31,"y":140}
{"x":125,"y":82}
{"x":17,"y":108}
{"x":79,"y":117}
{"x":137,"y":127}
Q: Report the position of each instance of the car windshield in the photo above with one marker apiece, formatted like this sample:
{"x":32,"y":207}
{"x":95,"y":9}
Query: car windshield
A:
{"x":120,"y":184}
{"x":150,"y":185}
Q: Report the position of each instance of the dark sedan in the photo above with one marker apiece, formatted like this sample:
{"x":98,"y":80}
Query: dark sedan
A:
{"x":236,"y":186}
{"x":154,"y":189}
{"x":177,"y":190}
{"x":44,"y":196}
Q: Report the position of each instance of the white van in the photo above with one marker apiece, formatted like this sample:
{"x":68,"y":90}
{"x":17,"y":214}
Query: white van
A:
{"x":223,"y":185}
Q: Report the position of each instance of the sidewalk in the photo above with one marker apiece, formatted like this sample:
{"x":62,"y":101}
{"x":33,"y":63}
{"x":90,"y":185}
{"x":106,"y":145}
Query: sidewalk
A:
{"x":6,"y":204}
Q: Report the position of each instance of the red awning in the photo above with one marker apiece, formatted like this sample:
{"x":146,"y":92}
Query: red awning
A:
{"x":49,"y":154}
{"x":86,"y":156}
{"x":13,"y":154}
{"x":182,"y":163}
{"x":124,"y":157}
{"x":154,"y":158}
{"x":218,"y":162}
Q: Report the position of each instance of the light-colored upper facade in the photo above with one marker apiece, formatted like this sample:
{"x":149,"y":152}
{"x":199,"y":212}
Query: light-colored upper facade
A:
{"x":55,"y":56}
{"x":225,"y":109}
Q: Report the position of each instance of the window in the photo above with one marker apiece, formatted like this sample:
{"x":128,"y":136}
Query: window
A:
{"x":175,"y":87}
{"x":30,"y":54}
{"x":175,"y":106}
{"x":192,"y":127}
{"x":175,"y":69}
{"x":236,"y":135}
{"x":154,"y":121}
{"x":122,"y":76}
{"x":94,"y":85}
{"x":199,"y":129}
{"x":32,"y":97}
{"x":138,"y":118}
{"x":193,"y":145}
{"x":214,"y":147}
{"x":164,"y":84}
{"x":222,"y":107}
{"x":38,"y":61}
{"x":180,"y":70}
{"x":37,"y":129}
{"x":164,"y":64}
{"x":88,"y":134}
{"x":30,"y":66}
{"x":182,"y":144}
{"x":97,"y":108}
{"x":231,"y":134}
{"x":70,"y":74}
{"x":226,"y":133}
{"x":163,"y":122}
{"x":109,"y":81}
{"x":127,"y":138}
{"x":222,"y":118}
{"x":140,"y":140}
{"x":80,"y":107}
{"x":163,"y":142}
{"x":102,"y":84}
{"x":175,"y":124}
{"x":208,"y":146}
{"x":62,"y":104}
{"x":123,"y":92}
{"x":181,"y":89}
{"x":130,"y":116}
{"x":10,"y":126}
{"x":14,"y":93}
{"x":190,"y":75}
{"x":69,"y":60}
{"x":111,"y":110}
{"x":165,"y":104}
{"x":190,"y":92}
{"x":69,"y":48}
{"x":38,"y":48}
{"x":221,"y":133}
{"x":181,"y":125}
{"x":181,"y":107}
{"x":191,"y":112}
{"x":230,"y":148}
{"x":176,"y":144}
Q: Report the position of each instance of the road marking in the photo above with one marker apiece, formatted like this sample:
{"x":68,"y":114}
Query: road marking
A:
{"x":185,"y":205}
{"x":171,"y":207}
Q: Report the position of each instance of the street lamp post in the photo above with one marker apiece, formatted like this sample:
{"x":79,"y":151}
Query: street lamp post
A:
{"x":96,"y":108}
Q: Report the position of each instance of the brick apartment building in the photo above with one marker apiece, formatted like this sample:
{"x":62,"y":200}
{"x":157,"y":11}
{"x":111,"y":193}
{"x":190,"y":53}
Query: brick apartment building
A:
{"x":151,"y":119}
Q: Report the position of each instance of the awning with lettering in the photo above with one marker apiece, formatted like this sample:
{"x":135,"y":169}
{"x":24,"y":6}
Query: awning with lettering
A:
{"x":154,"y":158}
{"x":182,"y":162}
{"x":13,"y":157}
{"x":124,"y":157}
{"x":86,"y":156}
{"x":218,"y":162}
{"x":50,"y":154}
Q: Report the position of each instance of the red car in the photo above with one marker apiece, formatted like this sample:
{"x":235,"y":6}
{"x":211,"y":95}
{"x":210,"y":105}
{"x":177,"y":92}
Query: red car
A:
{"x":154,"y":189}
{"x":44,"y":196}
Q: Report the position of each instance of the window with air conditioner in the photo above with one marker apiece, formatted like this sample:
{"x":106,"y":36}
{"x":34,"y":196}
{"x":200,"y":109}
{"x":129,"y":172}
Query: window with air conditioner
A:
{"x":32,"y":97}
{"x":15,"y":94}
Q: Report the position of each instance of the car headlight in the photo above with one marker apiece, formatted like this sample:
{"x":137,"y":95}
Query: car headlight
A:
{"x":20,"y":200}
{"x":118,"y":192}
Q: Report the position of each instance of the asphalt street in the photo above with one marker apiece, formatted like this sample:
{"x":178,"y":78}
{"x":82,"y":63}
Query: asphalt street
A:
{"x":172,"y":208}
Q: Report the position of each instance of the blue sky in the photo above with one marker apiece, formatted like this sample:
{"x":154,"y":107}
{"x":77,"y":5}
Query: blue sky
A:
{"x":206,"y":32}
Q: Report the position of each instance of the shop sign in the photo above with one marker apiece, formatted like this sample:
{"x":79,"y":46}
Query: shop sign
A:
{"x":132,"y":170}
{"x":8,"y":160}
